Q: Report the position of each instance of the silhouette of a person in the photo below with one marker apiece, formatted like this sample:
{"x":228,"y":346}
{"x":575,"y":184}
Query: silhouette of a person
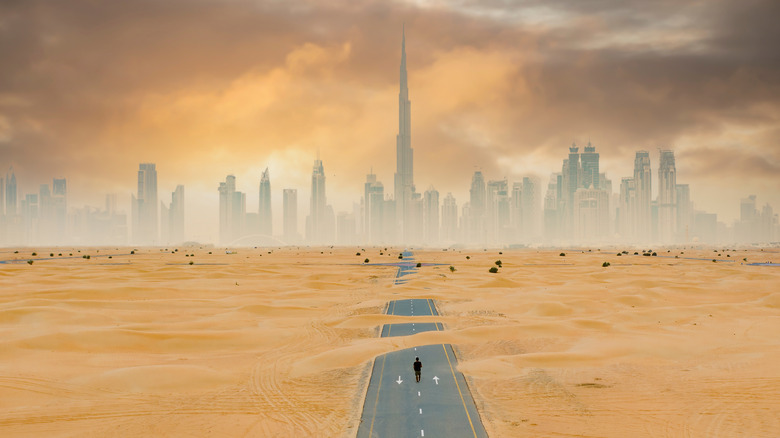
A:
{"x":417,"y":369}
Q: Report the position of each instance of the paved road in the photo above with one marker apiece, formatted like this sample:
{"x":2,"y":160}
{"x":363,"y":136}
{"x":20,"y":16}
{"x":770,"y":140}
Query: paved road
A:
{"x":411,"y":409}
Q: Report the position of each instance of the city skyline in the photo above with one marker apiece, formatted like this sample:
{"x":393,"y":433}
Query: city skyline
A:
{"x":462,"y":122}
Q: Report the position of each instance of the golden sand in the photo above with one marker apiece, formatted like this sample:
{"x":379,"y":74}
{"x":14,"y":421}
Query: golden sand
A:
{"x":281,"y":344}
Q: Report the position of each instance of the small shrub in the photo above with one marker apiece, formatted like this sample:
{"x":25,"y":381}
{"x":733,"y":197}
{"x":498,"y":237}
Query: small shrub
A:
{"x":498,"y":263}
{"x":357,"y":254}
{"x":677,"y":257}
{"x":60,"y":254}
{"x":51,"y":254}
{"x":605,"y":264}
{"x":111,"y":257}
{"x":452,"y":269}
{"x":16,"y":252}
{"x":192,"y":263}
{"x":419,"y":265}
{"x":500,"y":253}
{"x":636,"y":253}
{"x":209,"y":252}
{"x":468,"y":257}
{"x":400,"y":256}
{"x":365,"y":261}
{"x":34,"y":254}
{"x":88,"y":257}
{"x":714,"y":261}
{"x":132,"y":252}
{"x":493,"y":270}
{"x":619,"y":254}
{"x":29,"y":262}
{"x":655,"y":254}
{"x":646,"y":254}
{"x":745,"y":259}
{"x":563,"y":254}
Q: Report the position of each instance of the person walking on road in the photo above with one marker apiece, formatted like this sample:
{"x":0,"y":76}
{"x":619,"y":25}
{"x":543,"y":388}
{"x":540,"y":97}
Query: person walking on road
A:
{"x":417,"y":369}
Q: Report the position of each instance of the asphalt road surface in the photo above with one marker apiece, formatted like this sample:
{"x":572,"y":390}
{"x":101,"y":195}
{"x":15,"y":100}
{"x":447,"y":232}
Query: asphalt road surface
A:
{"x":397,"y":406}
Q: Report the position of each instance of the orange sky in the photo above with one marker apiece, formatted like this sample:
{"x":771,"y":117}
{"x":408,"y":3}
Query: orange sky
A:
{"x":209,"y":88}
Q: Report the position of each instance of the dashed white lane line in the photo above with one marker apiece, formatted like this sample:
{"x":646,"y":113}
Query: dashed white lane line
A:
{"x":422,"y":432}
{"x":420,"y":411}
{"x":418,"y":393}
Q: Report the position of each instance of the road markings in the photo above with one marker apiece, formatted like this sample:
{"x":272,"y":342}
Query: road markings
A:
{"x":452,"y":370}
{"x":422,"y":432}
{"x":399,"y":381}
{"x":418,"y":393}
{"x":436,"y":379}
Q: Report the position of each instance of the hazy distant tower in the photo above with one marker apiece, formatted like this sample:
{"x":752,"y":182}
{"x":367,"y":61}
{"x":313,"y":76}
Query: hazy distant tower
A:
{"x":176,"y":216}
{"x":643,"y":193}
{"x":10,"y":193}
{"x":316,"y":223}
{"x":264,"y":206}
{"x":404,"y":175}
{"x":667,"y":197}
{"x":290,"y":215}
{"x":145,"y":216}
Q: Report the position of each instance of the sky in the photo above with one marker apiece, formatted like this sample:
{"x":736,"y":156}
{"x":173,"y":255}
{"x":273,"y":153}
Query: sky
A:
{"x":89,"y":89}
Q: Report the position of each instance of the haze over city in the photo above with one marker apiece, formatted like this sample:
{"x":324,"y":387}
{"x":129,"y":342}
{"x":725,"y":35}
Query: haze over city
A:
{"x":494,"y":88}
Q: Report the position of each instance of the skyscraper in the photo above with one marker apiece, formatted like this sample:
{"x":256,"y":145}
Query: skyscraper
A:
{"x":667,"y":197}
{"x":59,"y":200}
{"x":643,"y":196}
{"x":144,"y":204}
{"x":316,"y":222}
{"x":264,"y":206}
{"x":431,"y":216}
{"x":374,"y":200}
{"x":290,"y":215}
{"x":476,"y":230}
{"x":232,"y":211}
{"x":590,"y":168}
{"x":531,"y":201}
{"x":404,"y":175}
{"x":449,"y":219}
{"x":176,"y":216}
{"x":10,"y":193}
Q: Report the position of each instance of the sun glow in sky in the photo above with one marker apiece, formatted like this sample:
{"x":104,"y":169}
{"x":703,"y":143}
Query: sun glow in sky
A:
{"x":209,"y":88}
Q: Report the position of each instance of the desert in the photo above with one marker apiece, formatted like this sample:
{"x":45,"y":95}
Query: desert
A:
{"x":203,"y":341}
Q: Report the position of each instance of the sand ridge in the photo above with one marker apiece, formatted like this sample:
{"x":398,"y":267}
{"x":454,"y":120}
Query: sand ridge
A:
{"x":281,"y":343}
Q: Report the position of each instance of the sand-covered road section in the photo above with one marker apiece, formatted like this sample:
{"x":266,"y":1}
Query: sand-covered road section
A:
{"x":280,"y":344}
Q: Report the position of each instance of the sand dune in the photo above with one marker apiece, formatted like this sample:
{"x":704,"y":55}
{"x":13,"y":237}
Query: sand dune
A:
{"x":281,"y":344}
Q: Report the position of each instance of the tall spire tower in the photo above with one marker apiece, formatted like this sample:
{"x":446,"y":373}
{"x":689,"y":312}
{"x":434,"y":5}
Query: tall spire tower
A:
{"x":404,"y":175}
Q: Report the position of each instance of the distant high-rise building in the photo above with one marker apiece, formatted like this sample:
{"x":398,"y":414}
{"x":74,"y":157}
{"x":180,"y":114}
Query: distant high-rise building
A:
{"x":551,"y":227}
{"x":590,"y":168}
{"x":404,"y":175}
{"x":684,"y":213}
{"x":449,"y":219}
{"x":345,"y":228}
{"x":10,"y":193}
{"x":667,"y":197}
{"x":643,"y":197}
{"x":30,"y":218}
{"x":2,"y":202}
{"x":232,"y":211}
{"x":530,"y":202}
{"x":145,"y":214}
{"x":591,"y":214}
{"x":175,"y":222}
{"x":290,"y":215}
{"x":627,"y":209}
{"x":59,"y":205}
{"x":496,"y":211}
{"x":264,"y":206}
{"x":431,"y":216}
{"x":477,"y":194}
{"x":319,"y":225}
{"x":374,"y":217}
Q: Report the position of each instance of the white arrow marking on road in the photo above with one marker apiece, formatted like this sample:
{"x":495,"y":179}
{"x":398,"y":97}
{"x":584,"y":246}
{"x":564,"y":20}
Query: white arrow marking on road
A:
{"x":435,"y":378}
{"x":399,"y":380}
